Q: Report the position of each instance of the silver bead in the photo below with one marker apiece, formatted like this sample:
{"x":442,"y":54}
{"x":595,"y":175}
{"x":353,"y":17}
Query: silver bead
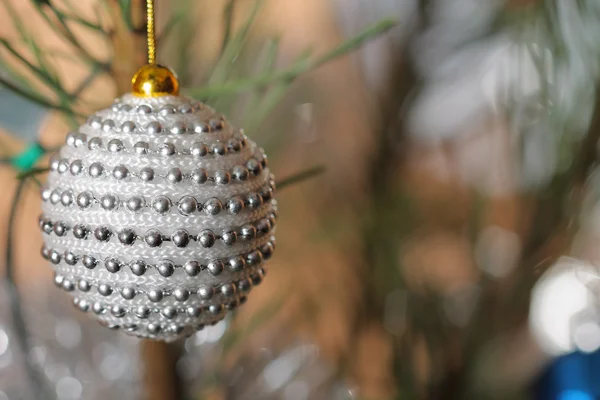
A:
{"x":178,"y":128}
{"x":108,"y":202}
{"x":169,"y":312}
{"x":68,"y":285}
{"x":120,"y":172}
{"x":116,"y":106}
{"x":240,"y":173}
{"x":266,"y":193}
{"x":95,"y":122}
{"x":254,"y":201}
{"x":117,"y":311}
{"x":76,"y":167}
{"x":229,"y":238}
{"x":215,"y":309}
{"x":80,"y":139}
{"x":254,"y":166}
{"x":244,"y":285}
{"x":180,"y":238}
{"x":153,"y":238}
{"x":166,"y":149}
{"x":174,"y":175}
{"x":127,"y":236}
{"x":138,"y":267}
{"x":266,"y":251}
{"x":67,"y":198}
{"x":115,"y":145}
{"x":135,"y":203}
{"x":155,"y":295}
{"x":222,"y":177}
{"x":128,"y":293}
{"x":142,"y":312}
{"x":165,"y":268}
{"x":263,"y":227}
{"x":55,"y":257}
{"x":185,"y":109}
{"x":94,"y":143}
{"x":125,"y":108}
{"x":70,"y":258}
{"x":166,"y":110}
{"x":212,"y":206}
{"x":47,"y":226}
{"x":70,"y":139}
{"x":141,"y":148}
{"x":102,"y":233}
{"x":83,"y":306}
{"x":200,"y":127}
{"x":236,"y":264}
{"x":96,"y":169}
{"x":218,"y":149}
{"x":161,"y":204}
{"x":60,"y":229}
{"x":104,"y":289}
{"x":54,"y":160}
{"x":199,"y":175}
{"x":143,"y":109}
{"x":128,"y":127}
{"x":227,"y":290}
{"x":154,"y":328}
{"x":98,"y":308}
{"x":154,"y":128}
{"x":108,"y":125}
{"x":176,"y":329}
{"x":63,"y":166}
{"x":58,"y":280}
{"x":112,"y":265}
{"x":216,"y":125}
{"x":206,"y":238}
{"x":147,"y":174}
{"x":206,"y":292}
{"x":187,"y":205}
{"x":88,"y":261}
{"x":256,"y":278}
{"x":55,"y":196}
{"x":181,"y":294}
{"x":131,"y":327}
{"x":215,"y":267}
{"x":80,"y":231}
{"x":85,"y":199}
{"x":193,"y":312}
{"x":46,"y":194}
{"x":234,"y":145}
{"x":199,"y":149}
{"x":235,"y":205}
{"x":254,"y":257}
{"x":248,"y":232}
{"x":192,"y":268}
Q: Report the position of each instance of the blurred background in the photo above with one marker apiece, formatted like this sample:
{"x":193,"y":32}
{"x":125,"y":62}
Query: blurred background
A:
{"x":449,"y":249}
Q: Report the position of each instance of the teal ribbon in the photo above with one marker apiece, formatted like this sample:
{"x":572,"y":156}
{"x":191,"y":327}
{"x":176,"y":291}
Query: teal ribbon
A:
{"x":28,"y":157}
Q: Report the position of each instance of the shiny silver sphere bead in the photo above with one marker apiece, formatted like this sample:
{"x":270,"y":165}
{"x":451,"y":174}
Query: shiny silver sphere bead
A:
{"x":70,"y":258}
{"x":109,"y":202}
{"x":85,"y":199}
{"x":254,"y":201}
{"x":118,"y":311}
{"x":192,"y":268}
{"x":115,"y":145}
{"x":147,"y":174}
{"x":181,"y":294}
{"x":120,"y":172}
{"x":244,"y":285}
{"x":138,"y":267}
{"x":206,"y":292}
{"x":142,"y":312}
{"x":227,"y":290}
{"x":154,"y":329}
{"x":60,"y":229}
{"x":200,"y":175}
{"x":198,"y":149}
{"x":67,"y":198}
{"x":200,"y":127}
{"x":193,"y":312}
{"x":112,"y":265}
{"x":55,"y":257}
{"x":169,"y":312}
{"x":128,"y":293}
{"x":84,"y":285}
{"x":254,"y":257}
{"x":128,"y":127}
{"x":104,"y":289}
{"x":167,"y":109}
{"x":88,"y":261}
{"x":95,"y":143}
{"x":240,"y":173}
{"x":80,"y":231}
{"x":222,"y":177}
{"x":108,"y":125}
{"x":135,"y":203}
{"x":215,"y":309}
{"x":180,"y":238}
{"x":174,"y":175}
{"x":96,"y":169}
{"x":144,"y":109}
{"x":127,"y":236}
{"x":166,"y":149}
{"x":98,"y":308}
{"x":55,"y":197}
{"x":229,"y":238}
{"x":178,"y":128}
{"x":235,"y":205}
{"x":254,"y":166}
{"x":218,"y":149}
{"x":215,"y":267}
{"x":166,"y":268}
{"x":102,"y":233}
{"x":63,"y":166}
{"x":206,"y":239}
{"x":76,"y":167}
{"x":248,"y":232}
{"x":68,"y":285}
{"x":154,"y":128}
{"x":187,"y":205}
{"x":161,"y":204}
{"x":58,"y":280}
{"x":236,"y":264}
{"x":141,"y":148}
{"x":155,"y":295}
{"x":212,"y":206}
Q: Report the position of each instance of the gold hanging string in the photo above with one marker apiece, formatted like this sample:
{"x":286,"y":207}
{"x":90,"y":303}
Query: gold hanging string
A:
{"x":150,"y":26}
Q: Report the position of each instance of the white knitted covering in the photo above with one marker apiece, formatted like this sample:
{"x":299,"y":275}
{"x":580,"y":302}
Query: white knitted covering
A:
{"x":109,"y":157}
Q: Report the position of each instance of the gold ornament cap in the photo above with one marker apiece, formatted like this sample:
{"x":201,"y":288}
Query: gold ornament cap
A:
{"x":154,"y":81}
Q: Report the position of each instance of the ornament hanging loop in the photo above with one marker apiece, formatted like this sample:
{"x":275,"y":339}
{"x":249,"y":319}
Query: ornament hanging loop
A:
{"x":153,"y":80}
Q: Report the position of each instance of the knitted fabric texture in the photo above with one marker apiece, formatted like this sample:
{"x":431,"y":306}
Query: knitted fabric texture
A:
{"x":158,"y":216}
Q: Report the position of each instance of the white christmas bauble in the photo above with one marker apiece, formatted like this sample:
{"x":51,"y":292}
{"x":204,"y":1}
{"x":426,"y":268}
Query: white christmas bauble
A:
{"x":158,"y":216}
